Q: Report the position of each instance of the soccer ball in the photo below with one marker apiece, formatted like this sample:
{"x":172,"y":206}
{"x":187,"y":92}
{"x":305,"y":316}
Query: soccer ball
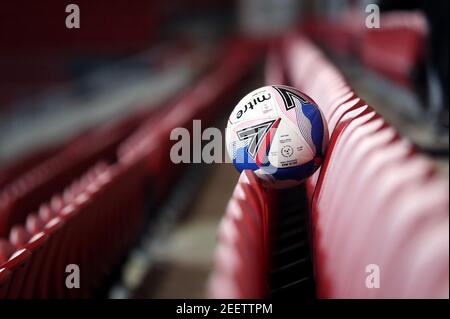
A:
{"x":279,"y":133}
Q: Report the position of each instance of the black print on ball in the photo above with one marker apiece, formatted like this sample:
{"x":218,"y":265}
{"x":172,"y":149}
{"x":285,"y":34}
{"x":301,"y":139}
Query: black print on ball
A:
{"x":250,"y":105}
{"x":288,"y":97}
{"x":255,"y":134}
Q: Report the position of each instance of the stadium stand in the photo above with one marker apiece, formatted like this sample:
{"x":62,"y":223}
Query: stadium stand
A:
{"x":395,"y":216}
{"x":376,"y":201}
{"x":96,"y":186}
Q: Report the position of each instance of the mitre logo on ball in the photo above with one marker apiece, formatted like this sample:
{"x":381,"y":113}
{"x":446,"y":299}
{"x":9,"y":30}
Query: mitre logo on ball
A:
{"x":279,"y":133}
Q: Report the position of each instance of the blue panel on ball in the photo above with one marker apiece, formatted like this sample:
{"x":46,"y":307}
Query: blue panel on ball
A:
{"x":244,"y":161}
{"x":317,"y":129}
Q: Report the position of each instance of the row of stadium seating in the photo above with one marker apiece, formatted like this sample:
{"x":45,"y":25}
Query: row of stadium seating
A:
{"x":10,"y":172}
{"x":243,"y":243}
{"x":40,"y":180}
{"x":56,"y":218}
{"x":86,"y":228}
{"x":396,"y":215}
{"x":375,"y":202}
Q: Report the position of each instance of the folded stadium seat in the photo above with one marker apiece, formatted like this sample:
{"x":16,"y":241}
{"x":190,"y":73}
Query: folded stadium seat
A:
{"x":65,"y":249}
{"x":19,"y":236}
{"x":34,"y":224}
{"x":329,"y":176}
{"x":239,"y":254}
{"x":68,"y":238}
{"x":248,"y":225}
{"x":313,"y":183}
{"x":245,"y":192}
{"x":242,"y":254}
{"x":5,"y":278}
{"x":343,"y":114}
{"x":118,"y":218}
{"x":103,"y":227}
{"x":111,"y":216}
{"x":356,"y":180}
{"x":342,"y":163}
{"x":36,"y":244}
{"x":265,"y":199}
{"x":6,"y":250}
{"x":46,"y":213}
{"x":221,"y":287}
{"x":89,"y":254}
{"x":16,"y":261}
{"x":100,"y":230}
{"x":81,"y":216}
{"x":228,"y":281}
{"x":381,"y":201}
{"x":44,"y":283}
{"x":344,"y":105}
{"x":419,"y":248}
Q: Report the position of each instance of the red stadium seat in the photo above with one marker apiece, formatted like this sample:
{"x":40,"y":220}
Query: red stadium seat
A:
{"x":34,"y":224}
{"x":17,"y":263}
{"x":5,"y":278}
{"x":242,"y":253}
{"x":36,"y":245}
{"x":6,"y":250}
{"x":45,"y":279}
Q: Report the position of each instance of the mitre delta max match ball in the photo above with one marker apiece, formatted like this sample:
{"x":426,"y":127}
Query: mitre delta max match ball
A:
{"x":279,"y":133}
